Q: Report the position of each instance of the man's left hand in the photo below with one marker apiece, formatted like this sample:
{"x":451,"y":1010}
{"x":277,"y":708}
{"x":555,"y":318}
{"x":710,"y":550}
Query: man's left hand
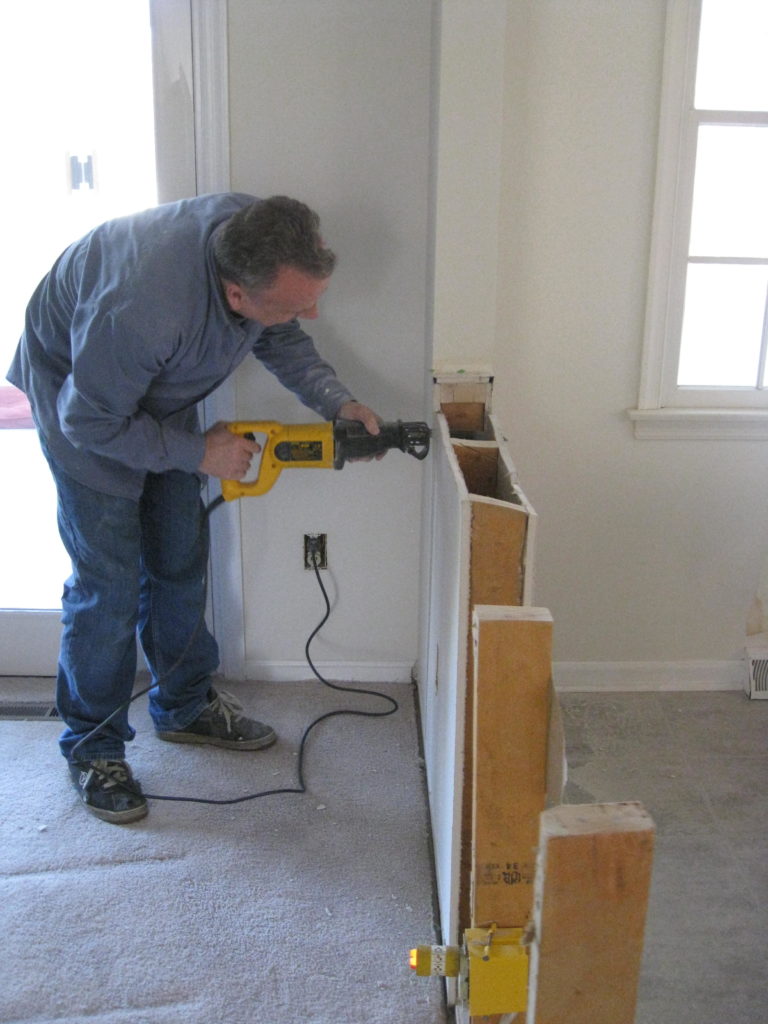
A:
{"x":361,"y":413}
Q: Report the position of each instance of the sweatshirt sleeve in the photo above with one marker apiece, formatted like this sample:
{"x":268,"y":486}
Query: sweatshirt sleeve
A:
{"x":290,"y":354}
{"x":100,"y":401}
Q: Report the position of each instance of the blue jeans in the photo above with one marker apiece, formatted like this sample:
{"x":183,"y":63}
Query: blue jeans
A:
{"x":136,"y":567}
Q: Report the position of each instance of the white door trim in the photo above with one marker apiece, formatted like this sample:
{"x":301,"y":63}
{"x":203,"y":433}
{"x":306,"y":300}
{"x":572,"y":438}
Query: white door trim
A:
{"x":212,"y":174}
{"x":192,"y":98}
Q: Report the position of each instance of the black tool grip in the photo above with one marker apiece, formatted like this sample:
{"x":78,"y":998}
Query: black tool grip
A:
{"x":352,"y":440}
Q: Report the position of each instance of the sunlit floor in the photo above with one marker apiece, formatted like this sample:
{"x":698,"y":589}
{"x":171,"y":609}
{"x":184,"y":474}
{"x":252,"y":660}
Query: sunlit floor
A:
{"x":698,"y":764}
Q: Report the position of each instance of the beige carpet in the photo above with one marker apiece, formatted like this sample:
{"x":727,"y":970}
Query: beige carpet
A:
{"x":289,"y":908}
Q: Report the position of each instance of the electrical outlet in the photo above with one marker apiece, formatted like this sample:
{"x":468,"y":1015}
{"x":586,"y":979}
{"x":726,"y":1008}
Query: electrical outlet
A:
{"x":315,"y":550}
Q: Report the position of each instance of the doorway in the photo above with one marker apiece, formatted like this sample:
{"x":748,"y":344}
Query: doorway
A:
{"x":100,"y":114}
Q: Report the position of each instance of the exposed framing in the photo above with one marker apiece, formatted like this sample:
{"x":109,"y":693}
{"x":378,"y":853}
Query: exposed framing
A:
{"x":495,"y":761}
{"x":482,"y":554}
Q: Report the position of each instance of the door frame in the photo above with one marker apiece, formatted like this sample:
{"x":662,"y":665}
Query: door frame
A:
{"x":203,"y":64}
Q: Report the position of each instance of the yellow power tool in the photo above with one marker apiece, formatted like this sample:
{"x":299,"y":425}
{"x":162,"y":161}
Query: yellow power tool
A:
{"x":319,"y":446}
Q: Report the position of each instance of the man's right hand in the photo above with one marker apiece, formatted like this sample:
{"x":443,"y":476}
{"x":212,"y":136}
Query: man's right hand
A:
{"x":227,"y":455}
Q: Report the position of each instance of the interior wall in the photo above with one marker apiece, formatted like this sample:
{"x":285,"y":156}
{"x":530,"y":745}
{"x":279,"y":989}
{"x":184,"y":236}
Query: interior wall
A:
{"x":469,"y":138}
{"x":649,"y":551}
{"x":330,"y":102}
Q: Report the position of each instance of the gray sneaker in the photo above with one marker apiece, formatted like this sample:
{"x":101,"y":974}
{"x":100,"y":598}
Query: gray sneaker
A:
{"x":222,"y":724}
{"x":108,"y":790}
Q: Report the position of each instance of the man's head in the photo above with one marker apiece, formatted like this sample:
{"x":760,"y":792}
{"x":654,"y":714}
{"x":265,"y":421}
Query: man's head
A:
{"x":272,"y":260}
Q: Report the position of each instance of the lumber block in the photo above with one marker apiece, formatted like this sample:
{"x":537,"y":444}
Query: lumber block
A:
{"x":512,"y":699}
{"x":593,"y":877}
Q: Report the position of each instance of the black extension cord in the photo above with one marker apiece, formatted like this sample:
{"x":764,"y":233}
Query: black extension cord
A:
{"x":301,"y":786}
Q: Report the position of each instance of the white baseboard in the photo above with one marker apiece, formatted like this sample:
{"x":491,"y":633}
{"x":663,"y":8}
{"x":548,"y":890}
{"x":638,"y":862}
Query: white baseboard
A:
{"x":569,"y":676}
{"x":334,"y":671}
{"x":625,"y":676}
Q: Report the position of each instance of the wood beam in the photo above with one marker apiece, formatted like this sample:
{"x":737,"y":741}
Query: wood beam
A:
{"x":592,"y":881}
{"x":512,"y":695}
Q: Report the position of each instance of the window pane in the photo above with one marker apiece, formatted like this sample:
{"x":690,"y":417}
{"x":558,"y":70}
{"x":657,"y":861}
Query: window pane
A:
{"x":722,"y":325}
{"x":76,"y":78}
{"x":81,"y":87}
{"x":730,"y":198}
{"x":732,"y":71}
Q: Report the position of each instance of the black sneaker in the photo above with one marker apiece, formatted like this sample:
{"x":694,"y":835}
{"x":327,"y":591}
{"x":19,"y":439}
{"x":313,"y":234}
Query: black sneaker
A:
{"x":108,"y":790}
{"x":222,"y":724}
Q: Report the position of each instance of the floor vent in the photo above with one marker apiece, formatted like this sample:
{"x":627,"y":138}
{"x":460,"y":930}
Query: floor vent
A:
{"x":757,"y":667}
{"x":28,"y":711}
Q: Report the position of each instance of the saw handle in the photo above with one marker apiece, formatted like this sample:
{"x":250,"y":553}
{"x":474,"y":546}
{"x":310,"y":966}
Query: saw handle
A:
{"x":304,"y":445}
{"x":319,"y":446}
{"x":268,"y":471}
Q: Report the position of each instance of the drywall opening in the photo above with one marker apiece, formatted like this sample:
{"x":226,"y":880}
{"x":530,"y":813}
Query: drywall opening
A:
{"x":467,"y":420}
{"x":485,"y":472}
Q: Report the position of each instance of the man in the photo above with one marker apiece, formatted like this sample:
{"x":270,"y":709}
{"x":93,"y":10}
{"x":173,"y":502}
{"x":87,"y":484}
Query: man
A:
{"x":133,"y":326}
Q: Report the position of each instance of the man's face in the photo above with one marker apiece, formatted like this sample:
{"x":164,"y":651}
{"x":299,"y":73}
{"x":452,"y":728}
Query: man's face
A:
{"x":293,"y":294}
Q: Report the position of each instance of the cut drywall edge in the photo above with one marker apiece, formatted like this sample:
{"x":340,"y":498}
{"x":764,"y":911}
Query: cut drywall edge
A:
{"x":445,"y":373}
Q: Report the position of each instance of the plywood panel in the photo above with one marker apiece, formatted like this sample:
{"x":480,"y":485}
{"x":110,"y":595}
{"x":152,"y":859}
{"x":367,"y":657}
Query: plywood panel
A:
{"x":496,"y":560}
{"x":513,"y":657}
{"x":465,"y":417}
{"x":479,"y":466}
{"x":497,"y":553}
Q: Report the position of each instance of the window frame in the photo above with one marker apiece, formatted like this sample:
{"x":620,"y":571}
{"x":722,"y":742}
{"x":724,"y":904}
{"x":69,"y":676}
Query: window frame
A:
{"x":665,"y":410}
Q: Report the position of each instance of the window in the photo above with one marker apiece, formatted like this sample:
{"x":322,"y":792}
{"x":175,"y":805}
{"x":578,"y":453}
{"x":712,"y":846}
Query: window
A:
{"x":705,"y":367}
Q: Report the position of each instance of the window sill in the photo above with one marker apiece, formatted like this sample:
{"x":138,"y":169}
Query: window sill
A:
{"x":700,"y":424}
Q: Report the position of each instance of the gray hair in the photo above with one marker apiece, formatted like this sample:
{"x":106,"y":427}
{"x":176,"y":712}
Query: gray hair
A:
{"x":252,"y":246}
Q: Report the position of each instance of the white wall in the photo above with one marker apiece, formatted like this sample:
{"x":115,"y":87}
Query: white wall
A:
{"x":330,"y":102}
{"x":649,"y":551}
{"x":470,"y":134}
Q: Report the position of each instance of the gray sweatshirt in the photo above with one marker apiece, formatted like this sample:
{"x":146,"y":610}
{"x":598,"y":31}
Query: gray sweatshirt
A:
{"x":129,"y":330}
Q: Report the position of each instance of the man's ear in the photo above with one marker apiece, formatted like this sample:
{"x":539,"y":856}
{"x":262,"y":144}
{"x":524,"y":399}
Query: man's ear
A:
{"x":234,"y":295}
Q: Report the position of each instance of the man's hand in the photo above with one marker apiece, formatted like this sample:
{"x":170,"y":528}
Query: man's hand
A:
{"x":361,"y":413}
{"x":227,"y":455}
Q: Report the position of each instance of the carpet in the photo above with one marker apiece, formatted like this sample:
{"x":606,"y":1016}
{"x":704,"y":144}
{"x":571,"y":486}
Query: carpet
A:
{"x":288,"y":908}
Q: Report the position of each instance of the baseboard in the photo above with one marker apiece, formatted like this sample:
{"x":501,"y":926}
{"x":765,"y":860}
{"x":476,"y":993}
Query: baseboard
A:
{"x":625,"y":676}
{"x":334,"y":671}
{"x":569,"y":676}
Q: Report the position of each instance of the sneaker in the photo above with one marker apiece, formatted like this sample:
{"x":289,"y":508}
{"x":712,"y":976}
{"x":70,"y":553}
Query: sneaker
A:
{"x":108,"y":790}
{"x":222,"y":724}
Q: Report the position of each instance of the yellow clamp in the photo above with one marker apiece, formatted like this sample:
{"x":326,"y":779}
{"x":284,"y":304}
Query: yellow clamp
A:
{"x":498,"y":970}
{"x":492,"y":967}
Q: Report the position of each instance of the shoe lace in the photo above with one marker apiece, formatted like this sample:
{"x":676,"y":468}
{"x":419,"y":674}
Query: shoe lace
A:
{"x":228,"y":706}
{"x":110,"y":773}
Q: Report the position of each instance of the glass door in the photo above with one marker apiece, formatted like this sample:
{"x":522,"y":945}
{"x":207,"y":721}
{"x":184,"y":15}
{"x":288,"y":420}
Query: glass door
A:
{"x":78,"y":117}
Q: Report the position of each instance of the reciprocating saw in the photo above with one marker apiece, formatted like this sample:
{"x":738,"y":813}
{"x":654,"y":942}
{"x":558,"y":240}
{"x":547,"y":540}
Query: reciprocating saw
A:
{"x":319,"y":446}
